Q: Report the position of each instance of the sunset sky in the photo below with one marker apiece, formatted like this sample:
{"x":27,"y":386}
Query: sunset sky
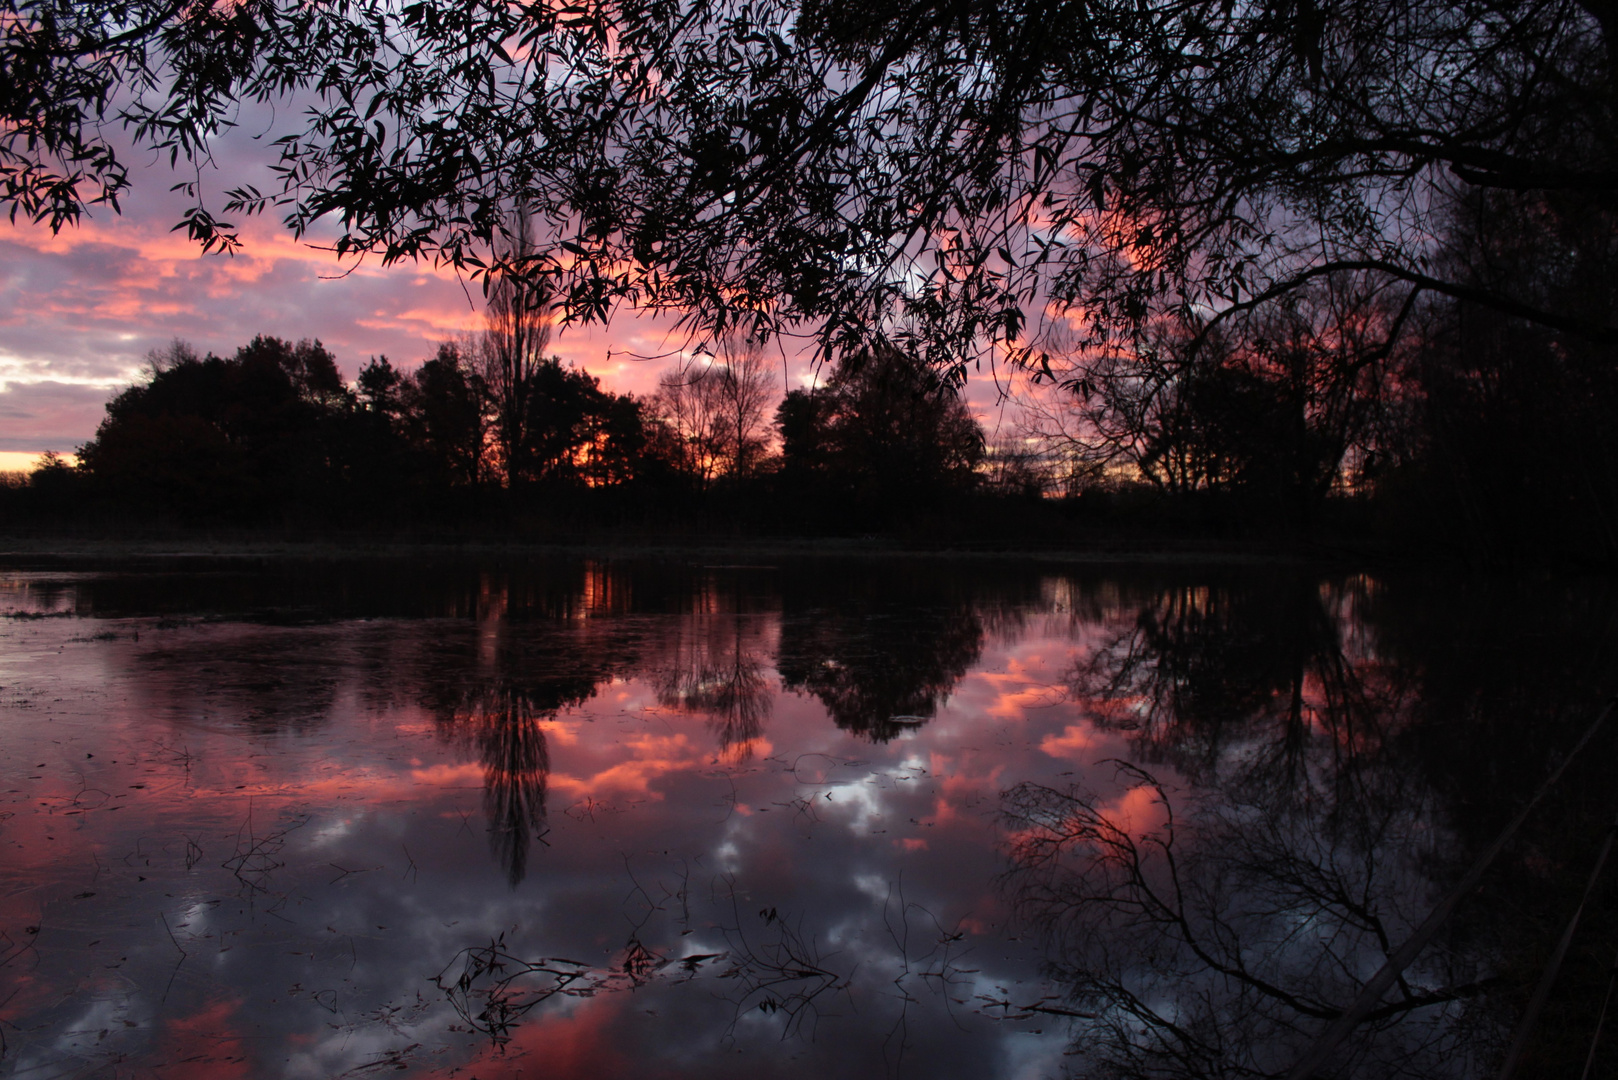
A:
{"x":81,"y":309}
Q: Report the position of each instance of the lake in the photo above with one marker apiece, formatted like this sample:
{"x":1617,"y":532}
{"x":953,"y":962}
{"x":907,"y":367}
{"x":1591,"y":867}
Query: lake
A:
{"x":860,"y":817}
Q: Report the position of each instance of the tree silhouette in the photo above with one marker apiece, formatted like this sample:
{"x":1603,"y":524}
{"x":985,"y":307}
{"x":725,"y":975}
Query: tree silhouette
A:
{"x":883,"y":429}
{"x":1274,"y":403}
{"x":234,"y":437}
{"x":430,"y":426}
{"x":934,"y":174}
{"x":442,"y":406}
{"x":576,"y":433}
{"x":511,"y":348}
{"x":274,"y":431}
{"x":715,"y":407}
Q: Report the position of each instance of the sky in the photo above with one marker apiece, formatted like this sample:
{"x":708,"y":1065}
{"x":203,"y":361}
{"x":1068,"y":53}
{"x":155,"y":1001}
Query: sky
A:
{"x":81,"y":309}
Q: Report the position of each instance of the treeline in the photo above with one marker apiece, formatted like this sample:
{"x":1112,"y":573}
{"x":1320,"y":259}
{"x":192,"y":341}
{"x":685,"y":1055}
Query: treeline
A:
{"x":1361,"y":406}
{"x":1354,"y":413}
{"x":274,"y":435}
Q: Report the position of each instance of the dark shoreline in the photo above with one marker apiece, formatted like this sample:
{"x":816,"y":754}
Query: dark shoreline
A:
{"x":67,"y":550}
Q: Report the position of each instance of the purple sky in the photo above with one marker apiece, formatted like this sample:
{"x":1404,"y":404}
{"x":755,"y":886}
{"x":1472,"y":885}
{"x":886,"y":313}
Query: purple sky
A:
{"x":80,"y":310}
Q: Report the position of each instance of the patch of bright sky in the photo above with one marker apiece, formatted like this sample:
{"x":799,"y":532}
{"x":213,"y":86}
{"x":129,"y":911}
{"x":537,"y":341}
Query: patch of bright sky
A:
{"x":81,"y":309}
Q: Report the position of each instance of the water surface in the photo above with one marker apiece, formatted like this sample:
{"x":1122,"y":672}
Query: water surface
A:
{"x":884,"y":818}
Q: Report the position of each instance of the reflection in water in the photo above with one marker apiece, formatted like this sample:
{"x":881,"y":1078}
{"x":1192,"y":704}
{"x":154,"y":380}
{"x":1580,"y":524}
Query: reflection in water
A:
{"x":1210,"y":932}
{"x":1215,"y":926}
{"x":504,"y":725}
{"x":1199,"y":671}
{"x":496,"y":699}
{"x":1213,"y":932}
{"x":1322,"y":758}
{"x":880,"y":670}
{"x":715,"y":666}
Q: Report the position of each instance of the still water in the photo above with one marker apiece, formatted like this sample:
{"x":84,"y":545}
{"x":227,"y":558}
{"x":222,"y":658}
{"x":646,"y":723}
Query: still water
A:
{"x":835,"y":819}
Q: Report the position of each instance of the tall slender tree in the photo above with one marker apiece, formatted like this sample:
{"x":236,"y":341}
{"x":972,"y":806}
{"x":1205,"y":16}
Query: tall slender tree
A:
{"x":511,"y":348}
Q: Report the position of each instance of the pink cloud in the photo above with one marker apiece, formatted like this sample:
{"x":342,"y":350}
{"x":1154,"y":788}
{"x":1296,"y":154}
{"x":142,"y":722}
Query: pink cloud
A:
{"x":81,"y":309}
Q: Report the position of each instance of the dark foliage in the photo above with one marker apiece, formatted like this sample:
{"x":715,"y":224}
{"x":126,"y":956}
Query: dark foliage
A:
{"x":933,"y":174}
{"x":1506,"y":453}
{"x":227,"y":439}
{"x":882,"y":431}
{"x":430,"y":422}
{"x":1455,"y":429}
{"x":578,"y":434}
{"x":273,"y":434}
{"x":1514,"y":459}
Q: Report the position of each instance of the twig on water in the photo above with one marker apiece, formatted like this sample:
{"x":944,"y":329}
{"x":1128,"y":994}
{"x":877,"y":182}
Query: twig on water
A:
{"x":178,"y":963}
{"x":177,"y":945}
{"x":410,"y":870}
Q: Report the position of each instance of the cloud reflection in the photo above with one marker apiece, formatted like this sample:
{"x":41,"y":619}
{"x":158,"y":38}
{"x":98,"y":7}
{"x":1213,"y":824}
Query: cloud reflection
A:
{"x":727,"y":772}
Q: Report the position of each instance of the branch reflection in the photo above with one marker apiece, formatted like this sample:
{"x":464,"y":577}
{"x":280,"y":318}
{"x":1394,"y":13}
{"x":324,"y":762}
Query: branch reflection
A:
{"x":1212,"y":929}
{"x":713,"y":665}
{"x":1204,"y":933}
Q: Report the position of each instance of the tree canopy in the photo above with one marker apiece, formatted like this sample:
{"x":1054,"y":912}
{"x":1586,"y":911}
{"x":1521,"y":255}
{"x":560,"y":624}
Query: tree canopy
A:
{"x":273,"y":432}
{"x":225,"y":437}
{"x":938,"y":175}
{"x":883,"y":430}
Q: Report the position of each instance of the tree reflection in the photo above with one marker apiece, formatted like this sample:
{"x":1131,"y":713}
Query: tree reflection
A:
{"x":712,"y":666}
{"x":503,"y":723}
{"x":1214,"y":932}
{"x":1202,"y":672}
{"x":880,"y":671}
{"x":1215,"y":929}
{"x":541,"y":644}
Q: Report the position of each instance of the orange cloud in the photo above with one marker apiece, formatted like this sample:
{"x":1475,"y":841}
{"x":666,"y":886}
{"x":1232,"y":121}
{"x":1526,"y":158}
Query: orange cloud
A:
{"x":1070,"y":745}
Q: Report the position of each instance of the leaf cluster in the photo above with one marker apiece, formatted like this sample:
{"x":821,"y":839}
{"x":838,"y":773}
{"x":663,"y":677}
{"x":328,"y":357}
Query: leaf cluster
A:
{"x":939,"y":175}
